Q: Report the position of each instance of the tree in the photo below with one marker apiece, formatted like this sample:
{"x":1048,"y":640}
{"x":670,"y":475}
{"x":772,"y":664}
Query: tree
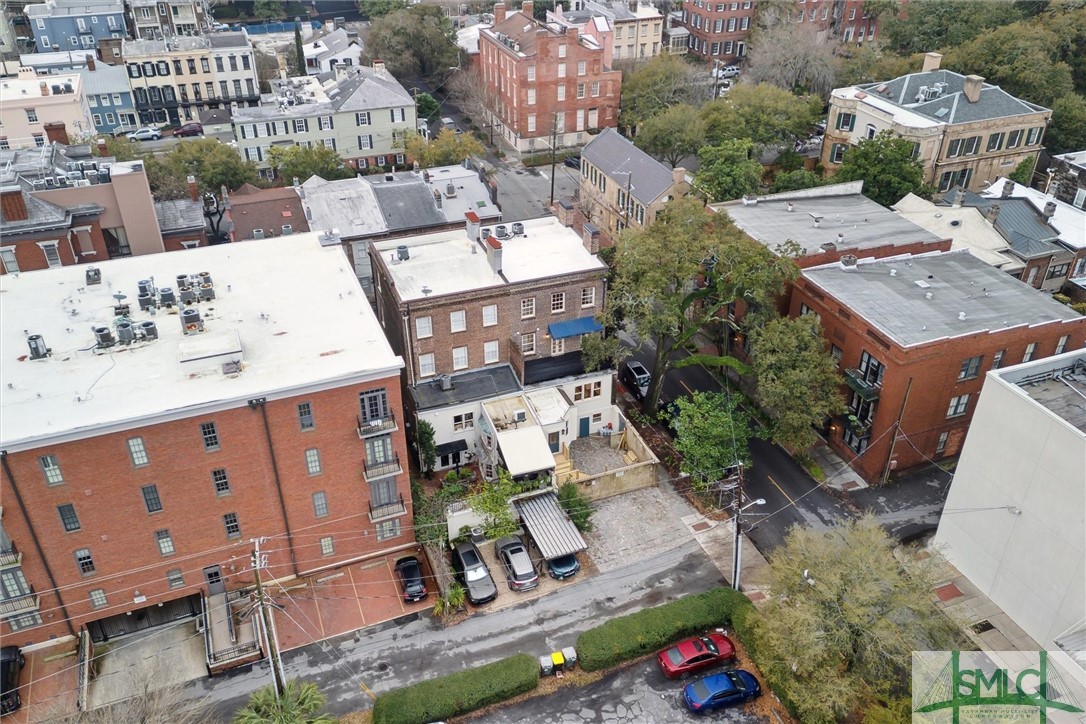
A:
{"x":493,"y":504}
{"x":476,"y":100}
{"x":166,"y":182}
{"x":299,"y":52}
{"x":599,"y":352}
{"x":299,"y":162}
{"x":426,"y":108}
{"x":299,"y":704}
{"x":933,"y":24}
{"x":427,"y":447}
{"x":712,"y":436}
{"x":792,"y":56}
{"x":268,"y":9}
{"x":419,"y":41}
{"x":727,"y":170}
{"x":151,"y":702}
{"x":213,"y":164}
{"x":795,"y":180}
{"x":214,"y":210}
{"x":672,"y":134}
{"x":448,"y":149}
{"x":872,"y":63}
{"x":798,"y":382}
{"x":121,"y":148}
{"x":843,"y":618}
{"x":886,"y":165}
{"x":763,"y":114}
{"x":1023,"y":172}
{"x":371,"y":9}
{"x":267,"y":67}
{"x":576,"y":505}
{"x":1067,"y":130}
{"x":664,"y":81}
{"x":675,"y":278}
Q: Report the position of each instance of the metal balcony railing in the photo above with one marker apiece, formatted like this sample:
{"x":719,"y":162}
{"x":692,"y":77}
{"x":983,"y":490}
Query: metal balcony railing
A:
{"x":388,"y":510}
{"x":23,"y":604}
{"x":10,"y":556}
{"x":866,"y":390}
{"x":380,"y":469}
{"x":375,"y":426}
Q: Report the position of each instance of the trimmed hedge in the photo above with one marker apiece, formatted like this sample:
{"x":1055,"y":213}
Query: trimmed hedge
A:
{"x":637,"y":634}
{"x":448,"y":696}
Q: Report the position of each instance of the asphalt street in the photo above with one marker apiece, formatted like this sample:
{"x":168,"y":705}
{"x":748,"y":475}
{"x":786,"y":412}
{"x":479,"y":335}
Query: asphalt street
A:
{"x":398,"y":654}
{"x":524,"y":193}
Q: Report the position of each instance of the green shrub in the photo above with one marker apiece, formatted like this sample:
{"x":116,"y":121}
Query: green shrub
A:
{"x":637,"y":634}
{"x":577,"y":506}
{"x":465,"y":691}
{"x":744,"y":623}
{"x":1062,"y":298}
{"x":1079,"y":307}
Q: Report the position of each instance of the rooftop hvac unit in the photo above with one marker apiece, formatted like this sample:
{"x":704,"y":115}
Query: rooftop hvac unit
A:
{"x":207,"y":292}
{"x":518,"y":229}
{"x":485,"y":233}
{"x":145,"y":286}
{"x":38,"y":183}
{"x":38,"y":350}
{"x":81,"y":182}
{"x":149,"y":329}
{"x":125,"y":333}
{"x":403,"y":253}
{"x":450,"y":190}
{"x":188,"y":294}
{"x":93,"y":275}
{"x":446,"y":382}
{"x":166,"y":296}
{"x":50,"y":182}
{"x":190,"y":321}
{"x":519,"y":415}
{"x":103,"y":337}
{"x":258,"y":233}
{"x":287,"y":230}
{"x":502,"y":231}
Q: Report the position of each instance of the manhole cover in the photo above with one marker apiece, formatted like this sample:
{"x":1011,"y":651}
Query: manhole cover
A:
{"x":382,"y":667}
{"x":698,"y":527}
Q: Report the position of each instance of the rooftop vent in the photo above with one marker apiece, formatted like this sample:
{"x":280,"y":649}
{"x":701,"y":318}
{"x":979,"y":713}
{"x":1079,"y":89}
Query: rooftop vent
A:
{"x":450,"y":190}
{"x":961,"y":316}
{"x":94,"y":275}
{"x":518,"y":229}
{"x":402,"y":252}
{"x":258,"y":233}
{"x":103,"y":337}
{"x":38,"y":350}
{"x":848,"y":261}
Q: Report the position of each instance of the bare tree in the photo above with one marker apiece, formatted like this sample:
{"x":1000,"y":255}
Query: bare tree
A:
{"x":792,"y":56}
{"x":475,"y":99}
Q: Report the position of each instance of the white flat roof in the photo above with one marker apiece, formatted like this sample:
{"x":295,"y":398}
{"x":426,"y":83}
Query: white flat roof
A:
{"x":444,"y":263}
{"x":525,"y":450}
{"x":900,"y":115}
{"x":290,"y":310}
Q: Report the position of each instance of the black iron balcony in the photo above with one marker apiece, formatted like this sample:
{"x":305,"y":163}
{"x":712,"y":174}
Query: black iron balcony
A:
{"x":10,"y":556}
{"x":21,"y":604}
{"x":376,"y":425}
{"x":383,"y":468}
{"x":388,"y":510}
{"x":860,"y":428}
{"x":868,"y":391}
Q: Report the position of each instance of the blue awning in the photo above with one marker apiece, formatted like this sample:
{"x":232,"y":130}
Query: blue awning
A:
{"x":574,"y":327}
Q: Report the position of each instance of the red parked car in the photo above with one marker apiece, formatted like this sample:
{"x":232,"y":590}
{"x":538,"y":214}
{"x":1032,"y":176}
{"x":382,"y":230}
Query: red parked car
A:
{"x":696,"y":654}
{"x":190,"y":129}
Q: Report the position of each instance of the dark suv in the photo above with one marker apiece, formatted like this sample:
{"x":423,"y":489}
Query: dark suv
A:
{"x":473,"y":573}
{"x":11,"y":663}
{"x":519,"y":570}
{"x":636,"y":378}
{"x":409,"y":572}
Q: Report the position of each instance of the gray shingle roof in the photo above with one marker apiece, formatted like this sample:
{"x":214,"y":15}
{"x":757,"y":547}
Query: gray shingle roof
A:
{"x":994,"y":102}
{"x":406,"y":203}
{"x":367,"y":88}
{"x":332,"y":43}
{"x":104,"y":79}
{"x":617,"y":157}
{"x":179,"y":215}
{"x":1016,"y":216}
{"x":239,"y":39}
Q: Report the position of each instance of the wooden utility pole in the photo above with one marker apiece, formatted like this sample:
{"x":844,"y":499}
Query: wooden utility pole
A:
{"x":737,"y":549}
{"x":896,"y":428}
{"x":554,"y":152}
{"x":269,"y":630}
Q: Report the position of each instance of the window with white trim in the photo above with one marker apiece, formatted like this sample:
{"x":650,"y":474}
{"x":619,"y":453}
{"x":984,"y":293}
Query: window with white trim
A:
{"x":958,"y":406}
{"x":490,"y":315}
{"x":7,"y":258}
{"x":165,"y":542}
{"x":527,"y":343}
{"x":458,"y":321}
{"x":460,"y":358}
{"x":313,"y":461}
{"x":558,"y":302}
{"x":940,"y":445}
{"x":588,"y":297}
{"x":424,"y":327}
{"x":531,"y":96}
{"x":388,"y":529}
{"x":970,"y":368}
{"x":50,"y":468}
{"x":558,"y":346}
{"x":426,"y":365}
{"x":1030,"y":349}
{"x":527,"y":308}
{"x":328,"y":546}
{"x":587,"y":391}
{"x":465,"y":421}
{"x":52,"y":256}
{"x":490,"y":352}
{"x":1061,"y":345}
{"x":98,"y":598}
{"x":138,"y":451}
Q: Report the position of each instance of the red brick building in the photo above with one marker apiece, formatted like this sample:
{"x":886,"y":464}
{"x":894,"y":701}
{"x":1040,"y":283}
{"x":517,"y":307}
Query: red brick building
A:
{"x":42,"y":235}
{"x":543,"y":83}
{"x":235,"y":392}
{"x":914,"y":336}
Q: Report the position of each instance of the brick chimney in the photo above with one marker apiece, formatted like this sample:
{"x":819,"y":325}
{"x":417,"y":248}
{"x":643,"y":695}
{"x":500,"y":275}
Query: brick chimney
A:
{"x":44,"y":88}
{"x":527,"y":8}
{"x":590,"y":237}
{"x":103,"y":149}
{"x":494,"y":254}
{"x":90,"y":63}
{"x":1050,"y":210}
{"x":973,"y":84}
{"x":932,"y":61}
{"x":56,"y":132}
{"x":13,"y":204}
{"x":678,"y":175}
{"x":194,"y":191}
{"x":499,"y":13}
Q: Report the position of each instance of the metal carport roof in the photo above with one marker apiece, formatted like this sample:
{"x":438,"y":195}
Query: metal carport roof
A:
{"x":549,"y":526}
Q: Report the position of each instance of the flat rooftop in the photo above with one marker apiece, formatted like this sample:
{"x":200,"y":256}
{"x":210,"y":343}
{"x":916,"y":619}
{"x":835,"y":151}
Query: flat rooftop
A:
{"x":290,"y":311}
{"x":469,"y":386}
{"x":1055,"y":383}
{"x":450,"y":262}
{"x":919,"y":299}
{"x":845,"y":217}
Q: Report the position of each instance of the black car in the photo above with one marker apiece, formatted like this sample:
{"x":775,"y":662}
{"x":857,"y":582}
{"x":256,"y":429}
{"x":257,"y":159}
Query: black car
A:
{"x":409,"y":572}
{"x":573,"y":161}
{"x":473,"y":573}
{"x":11,"y":663}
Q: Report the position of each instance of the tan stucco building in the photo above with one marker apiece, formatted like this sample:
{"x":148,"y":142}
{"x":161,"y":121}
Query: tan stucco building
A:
{"x":29,"y":102}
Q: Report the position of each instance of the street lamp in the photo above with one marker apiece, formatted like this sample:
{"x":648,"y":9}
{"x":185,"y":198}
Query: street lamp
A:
{"x":737,"y":549}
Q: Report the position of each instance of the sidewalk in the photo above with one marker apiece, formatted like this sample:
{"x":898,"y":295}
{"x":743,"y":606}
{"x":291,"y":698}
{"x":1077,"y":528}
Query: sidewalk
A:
{"x":839,"y":475}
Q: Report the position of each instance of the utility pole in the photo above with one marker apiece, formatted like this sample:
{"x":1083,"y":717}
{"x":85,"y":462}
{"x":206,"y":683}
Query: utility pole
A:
{"x":737,"y":550}
{"x":269,"y":631}
{"x":896,"y":428}
{"x":554,"y":152}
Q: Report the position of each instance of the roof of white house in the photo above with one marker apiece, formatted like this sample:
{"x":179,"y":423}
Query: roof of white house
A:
{"x":450,"y":262}
{"x":74,"y":8}
{"x":328,"y":45}
{"x":1055,"y":383}
{"x":27,"y":87}
{"x":356,"y":88}
{"x":1069,"y":220}
{"x":1076,"y":158}
{"x":314,"y":330}
{"x":917,"y":299}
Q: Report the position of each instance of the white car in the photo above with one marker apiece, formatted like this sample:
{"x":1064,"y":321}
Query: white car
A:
{"x":728,"y":71}
{"x":145,"y":134}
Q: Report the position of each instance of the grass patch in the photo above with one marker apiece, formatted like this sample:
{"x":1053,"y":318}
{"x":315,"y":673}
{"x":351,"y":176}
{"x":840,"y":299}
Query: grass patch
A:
{"x":813,"y":469}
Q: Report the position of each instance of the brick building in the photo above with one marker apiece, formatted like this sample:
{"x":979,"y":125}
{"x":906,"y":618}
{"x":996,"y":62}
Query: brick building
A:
{"x":521,"y":294}
{"x":545,"y":84}
{"x":913,"y":336}
{"x":151,"y":447}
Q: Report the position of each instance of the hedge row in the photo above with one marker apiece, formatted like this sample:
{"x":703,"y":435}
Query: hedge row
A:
{"x":448,"y":696}
{"x":637,"y":634}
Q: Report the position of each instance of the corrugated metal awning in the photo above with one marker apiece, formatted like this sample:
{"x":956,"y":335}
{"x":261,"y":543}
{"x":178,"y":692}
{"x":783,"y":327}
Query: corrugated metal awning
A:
{"x":549,"y":526}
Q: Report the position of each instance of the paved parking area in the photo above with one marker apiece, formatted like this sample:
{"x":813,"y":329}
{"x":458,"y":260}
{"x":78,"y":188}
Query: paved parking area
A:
{"x":635,"y":526}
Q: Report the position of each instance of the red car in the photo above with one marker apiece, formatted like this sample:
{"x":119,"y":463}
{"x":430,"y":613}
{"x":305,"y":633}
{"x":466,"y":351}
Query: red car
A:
{"x":695,"y":654}
{"x":190,"y":129}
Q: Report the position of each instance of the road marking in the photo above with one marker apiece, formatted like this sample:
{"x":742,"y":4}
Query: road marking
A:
{"x":544,"y":175}
{"x":781,"y":489}
{"x":366,"y":689}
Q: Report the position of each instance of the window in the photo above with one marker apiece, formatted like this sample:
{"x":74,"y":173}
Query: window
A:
{"x":995,"y":142}
{"x":846,"y":121}
{"x":84,"y":561}
{"x":561,"y":70}
{"x":871,"y":369}
{"x":31,"y":115}
{"x":997,"y":359}
{"x":580,"y":90}
{"x":52,"y":256}
{"x":177,"y":67}
{"x":175,"y":578}
{"x":490,"y":352}
{"x":1014,"y":140}
{"x":490,"y":315}
{"x":588,"y":297}
{"x":8,"y":260}
{"x":220,"y":481}
{"x":558,"y":346}
{"x":320,"y":504}
{"x":313,"y":461}
{"x":388,"y":529}
{"x":970,"y":368}
{"x":1057,"y":271}
{"x":27,"y":620}
{"x":595,"y":89}
{"x":561,"y":92}
{"x":138,"y":452}
{"x":531,"y":73}
{"x":50,"y":468}
{"x":940,"y":446}
{"x":233,"y":527}
{"x":587,"y":391}
{"x":426,"y":365}
{"x":531,"y":96}
{"x":151,"y":500}
{"x":374,"y":405}
{"x":327,"y":546}
{"x":531,"y":123}
{"x":558,"y":302}
{"x":527,"y":308}
{"x":837,"y":152}
{"x":582,"y":67}
{"x":210,"y":435}
{"x":1030,"y":349}
{"x":958,"y":406}
{"x":458,"y":321}
{"x":98,"y":598}
{"x":972,"y":145}
{"x":301,"y":125}
{"x":1061,"y":345}
{"x":165,"y":542}
{"x":1034,"y":135}
{"x":460,"y":358}
{"x":325,"y":123}
{"x":68,"y":518}
{"x":562,"y":50}
{"x":423,"y":327}
{"x":527,"y":343}
{"x":871,"y":131}
{"x":305,"y":416}
{"x":379,"y":450}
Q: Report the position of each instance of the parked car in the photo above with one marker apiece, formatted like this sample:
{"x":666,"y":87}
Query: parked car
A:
{"x":11,"y":663}
{"x":564,"y":566}
{"x":696,"y":654}
{"x":190,"y":129}
{"x":636,"y":378}
{"x":721,"y":690}
{"x":728,"y":71}
{"x":449,"y":124}
{"x":573,"y":161}
{"x":145,"y":134}
{"x":473,"y":573}
{"x":519,"y":570}
{"x":409,"y":572}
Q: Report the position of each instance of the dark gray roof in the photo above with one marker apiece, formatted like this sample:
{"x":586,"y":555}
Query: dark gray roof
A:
{"x":406,"y":202}
{"x":615,"y":157}
{"x":179,"y":215}
{"x":1015,"y":214}
{"x":550,"y":526}
{"x":367,"y":88}
{"x":892,"y":295}
{"x":466,"y":387}
{"x":237,"y":39}
{"x":215,"y":116}
{"x":994,"y":102}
